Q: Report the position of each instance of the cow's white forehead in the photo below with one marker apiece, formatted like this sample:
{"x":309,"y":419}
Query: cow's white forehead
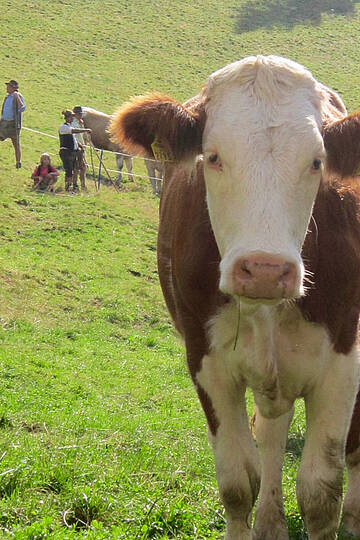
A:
{"x":247,"y":99}
{"x":268,"y":77}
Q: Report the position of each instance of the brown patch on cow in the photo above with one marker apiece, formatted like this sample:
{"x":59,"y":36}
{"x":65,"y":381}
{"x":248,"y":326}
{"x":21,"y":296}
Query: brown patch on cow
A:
{"x":188,"y":263}
{"x":353,"y":440}
{"x":342,"y":143}
{"x":331,"y":254}
{"x":177,"y":129}
{"x":208,"y":408}
{"x":188,"y":260}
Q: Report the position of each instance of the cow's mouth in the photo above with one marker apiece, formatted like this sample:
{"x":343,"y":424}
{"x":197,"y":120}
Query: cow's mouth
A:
{"x":264,"y":301}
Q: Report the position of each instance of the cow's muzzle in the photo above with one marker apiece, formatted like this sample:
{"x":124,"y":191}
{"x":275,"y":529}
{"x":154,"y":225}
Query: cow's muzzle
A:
{"x":264,"y":276}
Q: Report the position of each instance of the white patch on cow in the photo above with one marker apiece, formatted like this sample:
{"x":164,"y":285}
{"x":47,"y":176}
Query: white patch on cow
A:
{"x":264,"y":122}
{"x":271,"y":437}
{"x":329,"y":405}
{"x":274,"y":354}
{"x":236,"y":461}
{"x":281,"y":357}
{"x":351,"y":514}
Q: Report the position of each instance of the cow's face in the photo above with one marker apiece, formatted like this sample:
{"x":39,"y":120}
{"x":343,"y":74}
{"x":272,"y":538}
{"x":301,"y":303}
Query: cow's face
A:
{"x":260,"y":125}
{"x":263,"y":161}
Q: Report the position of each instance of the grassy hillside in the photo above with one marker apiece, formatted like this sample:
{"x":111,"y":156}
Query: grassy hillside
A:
{"x":101,"y":434}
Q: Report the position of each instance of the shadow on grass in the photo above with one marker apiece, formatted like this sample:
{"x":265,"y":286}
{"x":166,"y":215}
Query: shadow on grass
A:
{"x":295,"y":445}
{"x":296,"y":527}
{"x":287,"y":13}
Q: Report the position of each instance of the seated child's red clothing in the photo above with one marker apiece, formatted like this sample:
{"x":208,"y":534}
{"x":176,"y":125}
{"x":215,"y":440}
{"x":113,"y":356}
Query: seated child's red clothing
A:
{"x":46,"y":178}
{"x":43,"y":171}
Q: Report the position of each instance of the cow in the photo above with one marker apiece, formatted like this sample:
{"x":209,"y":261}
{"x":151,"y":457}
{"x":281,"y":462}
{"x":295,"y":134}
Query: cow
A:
{"x":259,"y":263}
{"x":98,"y":122}
{"x":155,"y":170}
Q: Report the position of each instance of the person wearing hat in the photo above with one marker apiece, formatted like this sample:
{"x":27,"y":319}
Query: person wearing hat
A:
{"x":80,"y":160}
{"x":11,"y":117}
{"x":68,"y":147}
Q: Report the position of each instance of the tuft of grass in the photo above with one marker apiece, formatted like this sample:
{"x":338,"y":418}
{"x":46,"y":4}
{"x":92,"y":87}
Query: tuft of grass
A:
{"x":87,"y":506}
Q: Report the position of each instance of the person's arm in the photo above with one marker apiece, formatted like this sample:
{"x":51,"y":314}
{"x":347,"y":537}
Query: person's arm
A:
{"x":81,"y":130}
{"x":21,"y":102}
{"x":54,"y":172}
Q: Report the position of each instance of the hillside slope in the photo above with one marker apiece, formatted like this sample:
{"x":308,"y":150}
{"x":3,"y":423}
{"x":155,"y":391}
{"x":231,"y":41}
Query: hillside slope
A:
{"x":101,"y":433}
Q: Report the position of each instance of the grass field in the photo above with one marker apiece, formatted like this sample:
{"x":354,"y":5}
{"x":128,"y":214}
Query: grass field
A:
{"x":101,"y":433}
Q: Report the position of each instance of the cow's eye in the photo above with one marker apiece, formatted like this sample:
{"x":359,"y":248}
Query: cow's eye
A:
{"x":316,"y":165}
{"x":214,"y":160}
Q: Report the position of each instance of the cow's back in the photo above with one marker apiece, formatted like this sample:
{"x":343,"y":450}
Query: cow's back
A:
{"x":99,"y":122}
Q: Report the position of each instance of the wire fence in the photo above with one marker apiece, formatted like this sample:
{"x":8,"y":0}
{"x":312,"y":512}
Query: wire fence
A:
{"x":99,"y":152}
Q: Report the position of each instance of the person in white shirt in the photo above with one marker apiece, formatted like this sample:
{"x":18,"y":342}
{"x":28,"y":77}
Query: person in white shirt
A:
{"x":11,"y":117}
{"x":68,"y":147}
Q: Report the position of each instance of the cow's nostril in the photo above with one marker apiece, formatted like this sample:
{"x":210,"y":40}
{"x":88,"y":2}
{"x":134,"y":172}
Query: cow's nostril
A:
{"x":244,"y":268}
{"x":286,"y":270}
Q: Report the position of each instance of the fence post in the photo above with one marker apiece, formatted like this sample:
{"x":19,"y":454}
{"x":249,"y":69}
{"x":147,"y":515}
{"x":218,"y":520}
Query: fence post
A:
{"x":101,"y":158}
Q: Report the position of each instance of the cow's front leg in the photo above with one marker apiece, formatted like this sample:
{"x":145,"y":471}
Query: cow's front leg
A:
{"x":236,"y":459}
{"x":271,"y":436}
{"x":351,"y":510}
{"x":129,"y":166}
{"x":119,"y":165}
{"x":329,"y":407}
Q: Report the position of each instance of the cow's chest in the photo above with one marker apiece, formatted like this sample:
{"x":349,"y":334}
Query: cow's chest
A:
{"x":278,"y":354}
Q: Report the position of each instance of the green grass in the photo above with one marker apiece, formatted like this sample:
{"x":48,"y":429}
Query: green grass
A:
{"x":101,"y":432}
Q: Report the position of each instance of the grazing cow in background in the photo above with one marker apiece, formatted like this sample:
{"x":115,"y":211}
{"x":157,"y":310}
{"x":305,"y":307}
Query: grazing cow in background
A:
{"x":155,"y":171}
{"x":98,"y":122}
{"x":259,"y":262}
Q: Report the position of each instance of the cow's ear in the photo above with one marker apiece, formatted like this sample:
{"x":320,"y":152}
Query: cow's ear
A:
{"x":157,"y":123}
{"x":342,"y":144}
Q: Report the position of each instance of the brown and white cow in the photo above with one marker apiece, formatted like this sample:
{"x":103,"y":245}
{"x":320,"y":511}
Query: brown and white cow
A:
{"x":259,"y":262}
{"x":99,"y":122}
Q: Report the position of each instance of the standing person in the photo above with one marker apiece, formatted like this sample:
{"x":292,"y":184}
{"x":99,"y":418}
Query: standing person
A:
{"x":68,"y":147}
{"x":11,"y":117}
{"x":45,"y":175}
{"x":80,"y":160}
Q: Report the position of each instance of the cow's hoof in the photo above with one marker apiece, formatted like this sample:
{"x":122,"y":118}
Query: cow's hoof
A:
{"x":270,"y":529}
{"x":270,"y":522}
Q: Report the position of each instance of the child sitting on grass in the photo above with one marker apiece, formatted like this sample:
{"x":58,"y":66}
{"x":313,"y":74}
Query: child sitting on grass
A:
{"x":45,"y":175}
